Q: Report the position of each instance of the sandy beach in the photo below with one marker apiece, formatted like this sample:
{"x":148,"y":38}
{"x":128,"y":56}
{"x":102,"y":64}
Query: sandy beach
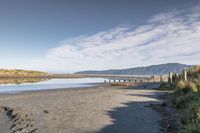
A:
{"x":93,"y":110}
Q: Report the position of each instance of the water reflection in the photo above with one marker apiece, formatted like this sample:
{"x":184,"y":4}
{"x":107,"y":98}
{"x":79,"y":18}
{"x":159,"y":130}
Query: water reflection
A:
{"x":15,"y":85}
{"x":16,"y":81}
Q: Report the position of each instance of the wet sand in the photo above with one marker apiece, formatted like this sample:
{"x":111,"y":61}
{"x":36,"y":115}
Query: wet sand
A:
{"x":93,"y":110}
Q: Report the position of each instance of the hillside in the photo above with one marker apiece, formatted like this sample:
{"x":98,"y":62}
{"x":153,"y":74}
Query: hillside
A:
{"x":21,"y":73}
{"x":147,"y":70}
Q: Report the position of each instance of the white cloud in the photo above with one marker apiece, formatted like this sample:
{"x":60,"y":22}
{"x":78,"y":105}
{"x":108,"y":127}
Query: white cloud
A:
{"x":173,"y":36}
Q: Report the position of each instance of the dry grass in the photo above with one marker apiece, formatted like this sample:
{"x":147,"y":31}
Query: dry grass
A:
{"x":121,"y":84}
{"x":21,"y":73}
{"x":4,"y":81}
{"x":186,"y":99}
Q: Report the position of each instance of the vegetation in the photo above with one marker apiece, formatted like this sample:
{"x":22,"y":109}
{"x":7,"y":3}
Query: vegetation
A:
{"x":186,"y":99}
{"x":188,"y":106}
{"x":194,"y":73}
{"x":120,"y":84}
{"x":4,"y":81}
{"x":21,"y":73}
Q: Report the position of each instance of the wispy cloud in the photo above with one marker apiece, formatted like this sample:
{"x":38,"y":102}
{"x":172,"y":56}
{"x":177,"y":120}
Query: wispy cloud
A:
{"x":173,"y":36}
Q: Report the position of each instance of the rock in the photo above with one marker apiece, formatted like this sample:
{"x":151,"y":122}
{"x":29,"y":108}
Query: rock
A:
{"x":46,"y":111}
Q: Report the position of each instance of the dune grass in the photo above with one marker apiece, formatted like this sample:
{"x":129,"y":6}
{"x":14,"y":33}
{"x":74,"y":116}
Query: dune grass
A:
{"x":21,"y":73}
{"x":186,"y":100}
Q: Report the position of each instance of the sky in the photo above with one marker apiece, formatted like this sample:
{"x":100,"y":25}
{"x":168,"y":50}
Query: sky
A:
{"x":65,"y":36}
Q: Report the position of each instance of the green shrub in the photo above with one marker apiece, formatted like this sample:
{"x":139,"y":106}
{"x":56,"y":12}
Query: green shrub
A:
{"x":183,"y":101}
{"x":189,"y":108}
{"x":198,"y":86}
{"x":186,"y":99}
{"x":191,"y":114}
{"x":167,"y":86}
{"x":191,"y":128}
{"x":195,"y":112}
{"x":163,"y":85}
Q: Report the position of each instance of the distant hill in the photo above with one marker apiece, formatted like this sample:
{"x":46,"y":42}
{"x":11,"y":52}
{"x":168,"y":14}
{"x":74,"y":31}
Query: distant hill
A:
{"x":147,"y":70}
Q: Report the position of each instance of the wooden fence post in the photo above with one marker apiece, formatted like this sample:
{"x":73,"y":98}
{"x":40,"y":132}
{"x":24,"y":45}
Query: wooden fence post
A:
{"x":185,"y":75}
{"x":170,"y":78}
{"x":161,"y":79}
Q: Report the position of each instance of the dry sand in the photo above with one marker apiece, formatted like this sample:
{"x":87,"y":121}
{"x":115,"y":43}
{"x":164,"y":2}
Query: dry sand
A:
{"x":94,"y":110}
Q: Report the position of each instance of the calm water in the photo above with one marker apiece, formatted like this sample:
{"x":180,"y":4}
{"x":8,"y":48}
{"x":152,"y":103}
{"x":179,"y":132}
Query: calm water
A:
{"x":19,"y":85}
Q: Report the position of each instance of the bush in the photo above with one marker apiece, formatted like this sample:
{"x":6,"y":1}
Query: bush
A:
{"x":183,"y":101}
{"x":186,"y":99}
{"x":191,"y":128}
{"x":181,"y":84}
{"x":191,"y":114}
{"x":188,"y":106}
{"x":184,"y":87}
{"x":167,"y":86}
{"x":193,"y":86}
{"x":195,"y":112}
{"x":194,"y":72}
{"x":163,"y":86}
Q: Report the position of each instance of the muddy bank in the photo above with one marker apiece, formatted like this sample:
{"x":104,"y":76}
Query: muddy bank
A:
{"x":15,"y":121}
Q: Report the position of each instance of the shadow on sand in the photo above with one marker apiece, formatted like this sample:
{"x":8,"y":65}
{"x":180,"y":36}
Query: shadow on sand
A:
{"x":135,"y":117}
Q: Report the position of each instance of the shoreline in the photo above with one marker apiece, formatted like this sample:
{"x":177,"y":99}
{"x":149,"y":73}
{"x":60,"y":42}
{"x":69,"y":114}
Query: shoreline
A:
{"x":102,"y":109}
{"x":94,"y":86}
{"x":97,"y":86}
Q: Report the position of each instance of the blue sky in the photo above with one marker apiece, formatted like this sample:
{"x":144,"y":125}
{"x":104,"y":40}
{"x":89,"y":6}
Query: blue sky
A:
{"x":72,"y":35}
